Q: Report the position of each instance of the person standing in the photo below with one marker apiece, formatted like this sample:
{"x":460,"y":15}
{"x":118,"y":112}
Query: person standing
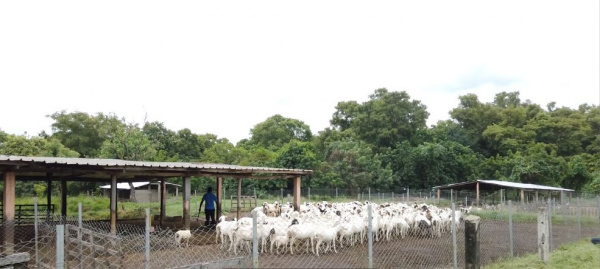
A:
{"x":209,"y":210}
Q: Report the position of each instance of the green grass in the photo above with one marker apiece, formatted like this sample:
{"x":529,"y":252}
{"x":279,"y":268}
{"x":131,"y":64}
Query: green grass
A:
{"x":581,"y":254}
{"x":532,"y":217}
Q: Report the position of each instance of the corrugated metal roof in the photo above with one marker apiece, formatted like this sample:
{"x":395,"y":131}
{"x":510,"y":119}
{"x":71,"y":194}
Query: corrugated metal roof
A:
{"x":507,"y":184}
{"x":124,"y":163}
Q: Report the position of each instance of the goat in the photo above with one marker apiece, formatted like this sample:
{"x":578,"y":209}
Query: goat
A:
{"x":183,"y":235}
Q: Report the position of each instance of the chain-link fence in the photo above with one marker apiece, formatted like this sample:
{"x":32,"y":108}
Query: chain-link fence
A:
{"x":423,"y":233}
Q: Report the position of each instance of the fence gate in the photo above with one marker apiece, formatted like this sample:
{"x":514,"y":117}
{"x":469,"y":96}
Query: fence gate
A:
{"x":85,"y":248}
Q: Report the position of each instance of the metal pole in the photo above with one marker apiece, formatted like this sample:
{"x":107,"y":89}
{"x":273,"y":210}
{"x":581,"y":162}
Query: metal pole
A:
{"x":257,"y":197}
{"x":451,"y":196}
{"x":408,"y":194}
{"x":392,"y":196}
{"x":370,"y":235}
{"x":336,"y":193}
{"x":510,"y":227}
{"x":369,"y":194}
{"x":35,"y":225}
{"x":309,"y":193}
{"x":60,"y":246}
{"x":254,"y":241}
{"x":454,"y":256}
{"x":282,"y":194}
{"x":147,"y":261}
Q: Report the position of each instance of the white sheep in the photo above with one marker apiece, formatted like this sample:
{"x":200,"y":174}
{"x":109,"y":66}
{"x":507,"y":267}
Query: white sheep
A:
{"x":183,"y":235}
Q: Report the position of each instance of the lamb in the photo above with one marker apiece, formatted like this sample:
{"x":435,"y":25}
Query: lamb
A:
{"x":278,"y":240}
{"x":301,"y":231}
{"x":183,"y":235}
{"x":225,"y":228}
{"x":328,"y":235}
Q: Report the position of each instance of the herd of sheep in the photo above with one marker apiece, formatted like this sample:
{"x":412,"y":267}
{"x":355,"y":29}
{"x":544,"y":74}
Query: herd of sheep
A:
{"x":333,"y":224}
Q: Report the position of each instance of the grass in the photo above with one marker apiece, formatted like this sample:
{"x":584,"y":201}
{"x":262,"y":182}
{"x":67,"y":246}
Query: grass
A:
{"x":581,"y":254}
{"x":527,"y":217}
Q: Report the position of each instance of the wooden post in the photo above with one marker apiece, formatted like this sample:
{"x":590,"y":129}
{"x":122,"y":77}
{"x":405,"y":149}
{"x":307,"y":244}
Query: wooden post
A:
{"x":522,"y":196}
{"x":239,"y":194}
{"x":63,"y":200}
{"x":219,"y":196}
{"x":472,"y":256}
{"x":543,"y":235}
{"x":163,"y":200}
{"x":113,"y":204}
{"x":48,"y":194}
{"x":8,"y":203}
{"x":297,"y":193}
{"x":477,"y":187}
{"x":186,"y":202}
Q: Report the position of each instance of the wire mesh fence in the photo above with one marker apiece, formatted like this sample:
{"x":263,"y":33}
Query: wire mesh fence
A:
{"x":420,"y":233}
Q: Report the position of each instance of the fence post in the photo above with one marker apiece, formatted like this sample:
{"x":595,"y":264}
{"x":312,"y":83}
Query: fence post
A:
{"x":254,"y":241}
{"x":549,"y":223}
{"x":472,"y":256}
{"x":257,"y":196}
{"x":369,"y":194}
{"x":510,"y":228}
{"x":407,"y":194}
{"x":35,"y":225}
{"x":578,"y":218}
{"x":370,"y":234}
{"x":79,"y":235}
{"x":308,"y":194}
{"x":336,"y":193}
{"x":147,"y":261}
{"x":281,"y":193}
{"x":392,"y":196}
{"x":60,"y":246}
{"x":454,"y":254}
{"x":543,"y":235}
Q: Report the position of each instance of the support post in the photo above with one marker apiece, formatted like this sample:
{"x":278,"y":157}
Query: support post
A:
{"x":63,"y":200}
{"x":60,"y":246}
{"x":370,"y":234}
{"x":35,"y":228}
{"x":522,"y":196}
{"x":163,"y":200}
{"x":48,"y":194}
{"x":113,"y":204}
{"x":79,"y":235}
{"x":477,"y":198}
{"x":219,"y":196}
{"x":187,"y":190}
{"x":438,"y":195}
{"x":254,"y":240}
{"x":147,"y":243}
{"x":472,"y":256}
{"x":578,"y":218}
{"x":297,"y":193}
{"x":239,"y":194}
{"x":308,"y":196}
{"x":454,"y":249}
{"x":510,"y":228}
{"x":536,"y":197}
{"x":8,"y":203}
{"x":543,"y":235}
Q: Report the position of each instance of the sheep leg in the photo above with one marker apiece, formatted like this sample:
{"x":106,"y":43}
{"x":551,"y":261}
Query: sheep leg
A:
{"x":292,"y":245}
{"x":335,"y":250}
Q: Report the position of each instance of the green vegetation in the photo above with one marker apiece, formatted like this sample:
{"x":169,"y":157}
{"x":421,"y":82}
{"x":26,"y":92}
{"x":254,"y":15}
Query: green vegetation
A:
{"x":382,"y":143}
{"x":582,"y":254}
{"x":532,"y":217}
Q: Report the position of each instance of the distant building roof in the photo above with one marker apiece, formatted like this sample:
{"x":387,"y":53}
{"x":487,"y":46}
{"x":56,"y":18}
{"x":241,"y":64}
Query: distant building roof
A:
{"x":486,"y":184}
{"x":125,"y":185}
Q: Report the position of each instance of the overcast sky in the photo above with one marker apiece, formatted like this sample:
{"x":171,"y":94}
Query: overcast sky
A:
{"x":221,"y":67}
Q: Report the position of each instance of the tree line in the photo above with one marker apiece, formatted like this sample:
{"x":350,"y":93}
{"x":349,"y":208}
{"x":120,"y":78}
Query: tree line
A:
{"x":382,"y":143}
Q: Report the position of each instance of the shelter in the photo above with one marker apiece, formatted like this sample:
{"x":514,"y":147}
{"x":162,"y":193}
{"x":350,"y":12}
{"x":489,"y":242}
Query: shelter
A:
{"x":50,"y":169}
{"x":145,"y":192}
{"x":495,"y":185}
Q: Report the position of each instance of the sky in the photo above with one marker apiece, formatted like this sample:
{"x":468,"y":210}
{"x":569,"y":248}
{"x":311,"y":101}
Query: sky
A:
{"x":222,"y":67}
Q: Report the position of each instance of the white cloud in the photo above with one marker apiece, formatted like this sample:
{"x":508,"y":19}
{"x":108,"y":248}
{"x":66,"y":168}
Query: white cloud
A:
{"x":222,"y":67}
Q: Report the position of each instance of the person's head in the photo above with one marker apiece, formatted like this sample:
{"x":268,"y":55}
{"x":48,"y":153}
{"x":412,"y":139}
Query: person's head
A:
{"x":209,"y":189}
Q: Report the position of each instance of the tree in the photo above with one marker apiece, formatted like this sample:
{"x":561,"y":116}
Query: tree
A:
{"x":276,"y":131}
{"x":163,"y":140}
{"x":385,"y":120}
{"x":129,"y":143}
{"x":34,"y":146}
{"x":82,"y":132}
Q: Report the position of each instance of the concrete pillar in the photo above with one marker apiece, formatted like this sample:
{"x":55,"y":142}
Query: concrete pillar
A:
{"x":219,"y":196}
{"x":472,"y":250}
{"x":296,"y":192}
{"x":186,"y":202}
{"x":8,"y":203}
{"x":543,"y":235}
{"x":113,"y":204}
